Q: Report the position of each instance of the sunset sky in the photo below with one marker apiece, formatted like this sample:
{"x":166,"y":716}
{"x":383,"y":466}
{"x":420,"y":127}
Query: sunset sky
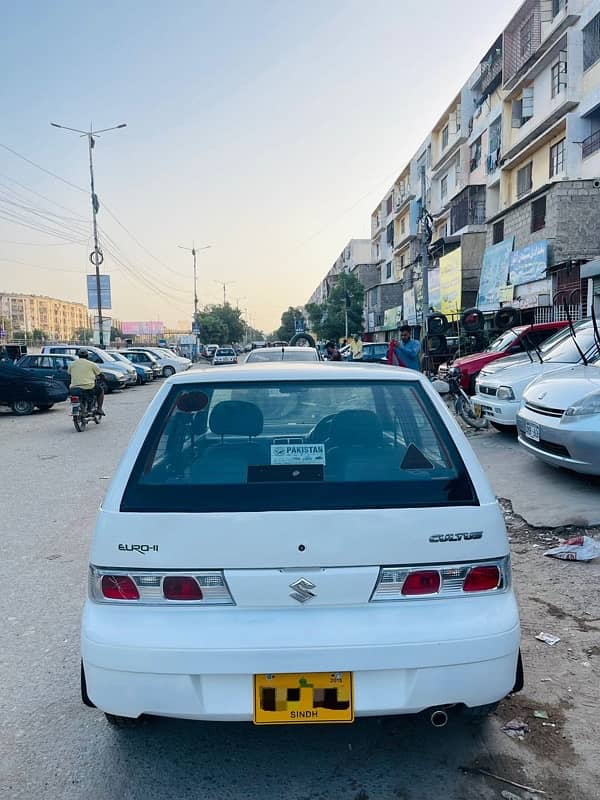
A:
{"x":267,"y":129}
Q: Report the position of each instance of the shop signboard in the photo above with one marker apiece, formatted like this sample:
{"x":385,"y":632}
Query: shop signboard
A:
{"x":435,"y":295}
{"x":410,"y":306}
{"x":451,"y":282}
{"x":529,"y":263}
{"x":494,"y":274}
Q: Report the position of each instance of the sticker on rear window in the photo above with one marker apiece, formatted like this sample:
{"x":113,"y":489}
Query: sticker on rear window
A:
{"x":297,"y":454}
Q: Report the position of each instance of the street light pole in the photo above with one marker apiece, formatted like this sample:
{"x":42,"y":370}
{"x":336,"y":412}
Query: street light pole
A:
{"x":225,"y":284}
{"x":97,"y":256}
{"x":194,"y":250}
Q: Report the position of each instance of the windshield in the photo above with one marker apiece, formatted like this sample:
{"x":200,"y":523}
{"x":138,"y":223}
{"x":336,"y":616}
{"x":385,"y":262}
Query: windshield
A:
{"x":116,"y":356}
{"x":566,"y":350}
{"x":297,"y":445}
{"x":502,"y":343}
{"x":225,"y":351}
{"x":301,"y":354}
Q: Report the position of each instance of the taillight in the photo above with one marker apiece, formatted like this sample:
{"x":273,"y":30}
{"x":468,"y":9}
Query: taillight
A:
{"x":482,"y":579}
{"x":181,"y":588}
{"x":425,"y":582}
{"x":119,"y":587}
{"x":74,"y":399}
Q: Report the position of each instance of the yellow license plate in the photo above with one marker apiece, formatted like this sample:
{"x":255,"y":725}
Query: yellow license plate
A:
{"x":477,"y":409}
{"x":309,"y":697}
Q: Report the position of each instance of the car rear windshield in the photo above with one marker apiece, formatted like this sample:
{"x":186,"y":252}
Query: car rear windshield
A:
{"x":297,"y":445}
{"x":301,"y":354}
{"x":225,"y":351}
{"x":567,"y":352}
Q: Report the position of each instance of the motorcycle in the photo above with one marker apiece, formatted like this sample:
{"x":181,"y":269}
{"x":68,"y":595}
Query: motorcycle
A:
{"x":84,"y":408}
{"x":463,"y":406}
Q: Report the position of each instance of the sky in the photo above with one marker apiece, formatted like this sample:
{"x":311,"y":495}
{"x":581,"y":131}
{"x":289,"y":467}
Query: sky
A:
{"x":267,"y":129}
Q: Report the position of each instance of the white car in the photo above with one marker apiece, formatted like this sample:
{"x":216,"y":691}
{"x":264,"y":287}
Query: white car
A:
{"x":224,"y":355}
{"x":169,"y":363}
{"x":499,"y":388}
{"x":286,"y":353}
{"x":298,"y":543}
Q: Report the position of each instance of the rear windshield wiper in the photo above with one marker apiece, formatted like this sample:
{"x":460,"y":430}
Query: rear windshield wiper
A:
{"x":573,"y":334}
{"x":595,"y":323}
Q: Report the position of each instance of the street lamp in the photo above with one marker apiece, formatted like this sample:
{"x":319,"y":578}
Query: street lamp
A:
{"x":225,"y":284}
{"x":96,"y":257}
{"x":193,"y":250}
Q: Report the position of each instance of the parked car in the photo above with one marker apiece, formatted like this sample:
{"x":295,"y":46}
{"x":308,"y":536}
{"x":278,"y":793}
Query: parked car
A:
{"x":211,"y":349}
{"x":57,"y":366}
{"x":169,"y":364}
{"x":559,"y":419}
{"x":22,"y":390}
{"x":318,"y":539}
{"x":144,"y":373}
{"x":499,"y":387}
{"x":98,"y":356}
{"x":514,"y":341}
{"x":285,"y":353}
{"x":143,"y":359}
{"x":224,"y":355}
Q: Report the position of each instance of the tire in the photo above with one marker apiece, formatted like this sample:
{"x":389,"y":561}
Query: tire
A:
{"x":80,"y":424}
{"x":506,"y":318}
{"x":168,"y":371}
{"x":302,"y":337}
{"x":437,"y":323}
{"x":22,"y":407}
{"x":138,"y":380}
{"x":505,"y":429}
{"x":122,"y":723}
{"x":479,"y":712}
{"x":462,"y":408}
{"x":45,"y":406}
{"x":472,"y":320}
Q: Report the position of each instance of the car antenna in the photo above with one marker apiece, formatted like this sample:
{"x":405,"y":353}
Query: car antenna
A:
{"x":573,"y":334}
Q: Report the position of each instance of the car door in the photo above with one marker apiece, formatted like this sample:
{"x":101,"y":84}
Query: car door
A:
{"x":60,"y":369}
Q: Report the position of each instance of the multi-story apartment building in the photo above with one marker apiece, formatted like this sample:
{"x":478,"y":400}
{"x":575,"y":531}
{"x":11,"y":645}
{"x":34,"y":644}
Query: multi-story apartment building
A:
{"x":58,"y":319}
{"x":356,"y":258}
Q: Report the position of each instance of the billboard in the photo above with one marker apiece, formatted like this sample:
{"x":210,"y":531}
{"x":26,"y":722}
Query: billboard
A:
{"x":92,"y":293}
{"x":410,"y":306}
{"x":451,"y":282}
{"x":494,"y":274}
{"x":528,"y":264}
{"x":149,"y":328}
{"x":435,"y":295}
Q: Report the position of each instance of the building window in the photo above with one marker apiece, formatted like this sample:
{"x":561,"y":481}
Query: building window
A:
{"x":389,"y":205}
{"x":389,"y":233}
{"x":522,"y":109}
{"x":526,"y":38}
{"x":558,"y":78}
{"x":388,"y":270}
{"x":557,"y":6}
{"x":498,"y":232}
{"x":557,"y":158}
{"x":401,"y":262}
{"x":377,"y":251}
{"x":524,"y":183}
{"x":475,"y":154}
{"x":445,"y":138}
{"x":538,"y":214}
{"x":444,"y":188}
{"x":591,"y":42}
{"x":403,"y":225}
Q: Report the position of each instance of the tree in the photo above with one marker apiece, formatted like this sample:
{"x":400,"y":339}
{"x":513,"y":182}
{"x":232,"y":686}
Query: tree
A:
{"x":38,"y":335}
{"x":83,"y":335}
{"x":328,"y":320}
{"x":221,"y":324}
{"x":288,"y":324}
{"x":115,"y":333}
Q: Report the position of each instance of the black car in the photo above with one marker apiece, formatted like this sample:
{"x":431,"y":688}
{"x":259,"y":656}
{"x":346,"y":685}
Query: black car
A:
{"x":57,"y":366}
{"x":23,"y":389}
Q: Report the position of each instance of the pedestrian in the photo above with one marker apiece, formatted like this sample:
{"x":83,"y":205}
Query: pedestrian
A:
{"x":405,"y":353}
{"x":356,"y":348}
{"x":333,"y":354}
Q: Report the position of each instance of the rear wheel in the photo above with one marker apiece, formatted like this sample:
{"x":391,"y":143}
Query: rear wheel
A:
{"x":80,"y":423}
{"x":22,"y":407}
{"x":168,"y":371}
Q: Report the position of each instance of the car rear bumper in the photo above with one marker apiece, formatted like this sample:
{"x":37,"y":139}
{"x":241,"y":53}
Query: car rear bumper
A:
{"x":200,"y":663}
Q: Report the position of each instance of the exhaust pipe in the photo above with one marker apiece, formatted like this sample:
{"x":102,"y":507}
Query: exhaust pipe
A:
{"x":439,"y":718}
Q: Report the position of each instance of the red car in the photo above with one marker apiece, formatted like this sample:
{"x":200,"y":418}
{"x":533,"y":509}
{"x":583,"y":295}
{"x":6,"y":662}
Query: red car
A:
{"x":511,"y":342}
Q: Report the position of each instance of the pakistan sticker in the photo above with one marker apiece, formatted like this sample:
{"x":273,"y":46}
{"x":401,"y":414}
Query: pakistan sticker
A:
{"x":297,"y":454}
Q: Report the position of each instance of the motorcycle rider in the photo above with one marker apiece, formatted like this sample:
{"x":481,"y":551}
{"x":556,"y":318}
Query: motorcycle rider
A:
{"x":83,"y":374}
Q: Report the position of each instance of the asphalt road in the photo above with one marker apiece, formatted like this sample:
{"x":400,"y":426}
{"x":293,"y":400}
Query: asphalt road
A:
{"x":51,"y":746}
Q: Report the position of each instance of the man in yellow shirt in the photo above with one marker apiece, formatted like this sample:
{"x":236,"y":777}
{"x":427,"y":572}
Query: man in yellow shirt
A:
{"x":83,"y":374}
{"x":356,"y":347}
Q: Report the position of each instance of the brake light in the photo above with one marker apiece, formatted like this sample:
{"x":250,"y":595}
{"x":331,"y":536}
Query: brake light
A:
{"x":181,"y":588}
{"x":119,"y":587}
{"x":425,"y":582}
{"x":74,"y":399}
{"x":482,"y":579}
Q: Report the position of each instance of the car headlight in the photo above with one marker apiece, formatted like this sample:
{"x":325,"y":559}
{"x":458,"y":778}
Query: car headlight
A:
{"x":590,"y":404}
{"x":505,"y":393}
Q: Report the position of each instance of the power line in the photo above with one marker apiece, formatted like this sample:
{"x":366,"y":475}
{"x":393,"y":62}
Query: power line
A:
{"x":33,"y":191}
{"x":39,"y":266}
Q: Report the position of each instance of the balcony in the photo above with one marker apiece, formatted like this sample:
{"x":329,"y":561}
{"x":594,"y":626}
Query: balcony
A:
{"x":590,"y":145}
{"x":468,"y":208}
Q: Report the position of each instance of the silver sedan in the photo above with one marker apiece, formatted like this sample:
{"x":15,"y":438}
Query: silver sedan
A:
{"x":559,"y":419}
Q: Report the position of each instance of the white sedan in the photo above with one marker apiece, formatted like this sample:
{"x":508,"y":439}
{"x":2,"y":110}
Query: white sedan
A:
{"x":285,"y":353}
{"x":168,"y":362}
{"x":298,"y":543}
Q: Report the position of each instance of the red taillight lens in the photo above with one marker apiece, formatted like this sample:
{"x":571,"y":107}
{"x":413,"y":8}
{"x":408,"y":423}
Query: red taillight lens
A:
{"x":74,"y":399}
{"x":425,"y":582}
{"x":482,"y":579}
{"x":119,"y":587}
{"x":181,"y":588}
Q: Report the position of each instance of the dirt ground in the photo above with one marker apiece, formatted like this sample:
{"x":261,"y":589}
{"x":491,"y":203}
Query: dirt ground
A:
{"x":560,"y":754}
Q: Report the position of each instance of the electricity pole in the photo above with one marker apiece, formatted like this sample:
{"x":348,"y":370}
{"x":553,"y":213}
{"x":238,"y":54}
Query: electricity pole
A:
{"x":97,"y":256}
{"x":193,"y":250}
{"x":225,"y":284}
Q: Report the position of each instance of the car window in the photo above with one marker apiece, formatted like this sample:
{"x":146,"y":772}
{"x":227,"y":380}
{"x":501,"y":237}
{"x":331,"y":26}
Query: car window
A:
{"x":32,"y":362}
{"x":500,"y":344}
{"x":46,"y":362}
{"x":297,"y":445}
{"x":225,"y":351}
{"x":566,"y":351}
{"x":301,"y":354}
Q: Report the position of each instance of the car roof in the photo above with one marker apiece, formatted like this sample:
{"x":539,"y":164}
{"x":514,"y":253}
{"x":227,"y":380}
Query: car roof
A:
{"x":292,"y":347}
{"x":300,"y":371}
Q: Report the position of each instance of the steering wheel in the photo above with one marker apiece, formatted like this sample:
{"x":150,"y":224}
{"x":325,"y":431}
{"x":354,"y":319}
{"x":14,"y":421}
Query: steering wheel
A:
{"x":322,"y":430}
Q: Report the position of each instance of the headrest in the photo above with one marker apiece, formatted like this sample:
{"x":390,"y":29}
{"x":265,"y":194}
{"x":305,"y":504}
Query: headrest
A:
{"x":356,"y":427}
{"x":236,"y":418}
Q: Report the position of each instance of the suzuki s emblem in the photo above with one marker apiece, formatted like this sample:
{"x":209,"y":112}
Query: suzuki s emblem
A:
{"x":302,"y":590}
{"x":542,"y":395}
